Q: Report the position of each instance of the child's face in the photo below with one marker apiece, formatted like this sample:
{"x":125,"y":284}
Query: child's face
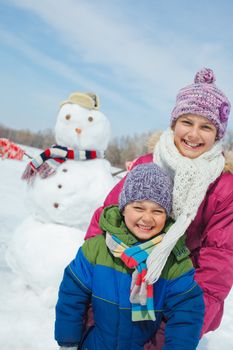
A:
{"x":145,"y":219}
{"x":194,"y":135}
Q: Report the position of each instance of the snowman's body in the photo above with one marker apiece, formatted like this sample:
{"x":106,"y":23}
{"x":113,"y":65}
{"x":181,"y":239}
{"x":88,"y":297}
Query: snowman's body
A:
{"x":62,"y":204}
{"x":71,"y":196}
{"x":38,"y":254}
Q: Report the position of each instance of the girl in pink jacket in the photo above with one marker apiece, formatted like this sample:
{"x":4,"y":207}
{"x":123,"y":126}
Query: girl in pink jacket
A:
{"x":191,"y":151}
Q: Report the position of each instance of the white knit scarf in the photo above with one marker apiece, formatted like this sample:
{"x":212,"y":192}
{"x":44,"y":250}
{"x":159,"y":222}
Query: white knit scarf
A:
{"x":192,"y":178}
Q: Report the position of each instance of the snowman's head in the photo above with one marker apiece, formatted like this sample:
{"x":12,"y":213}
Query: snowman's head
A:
{"x":84,"y":128}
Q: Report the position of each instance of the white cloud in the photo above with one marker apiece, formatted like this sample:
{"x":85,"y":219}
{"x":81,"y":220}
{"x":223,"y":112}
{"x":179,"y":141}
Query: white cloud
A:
{"x":56,"y":66}
{"x":152,"y":70}
{"x":99,"y":38}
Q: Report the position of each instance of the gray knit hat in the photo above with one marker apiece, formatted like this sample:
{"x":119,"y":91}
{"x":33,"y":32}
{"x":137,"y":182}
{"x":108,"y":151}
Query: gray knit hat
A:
{"x":147,"y":182}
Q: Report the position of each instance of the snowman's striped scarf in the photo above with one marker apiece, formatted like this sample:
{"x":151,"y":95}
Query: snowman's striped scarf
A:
{"x":141,"y":293}
{"x":46,"y":163}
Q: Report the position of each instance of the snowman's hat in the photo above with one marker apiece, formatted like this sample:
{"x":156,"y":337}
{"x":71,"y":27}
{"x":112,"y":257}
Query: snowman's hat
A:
{"x":84,"y":99}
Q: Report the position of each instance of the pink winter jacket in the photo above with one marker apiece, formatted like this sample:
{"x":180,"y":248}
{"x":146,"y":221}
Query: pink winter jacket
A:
{"x":209,"y":238}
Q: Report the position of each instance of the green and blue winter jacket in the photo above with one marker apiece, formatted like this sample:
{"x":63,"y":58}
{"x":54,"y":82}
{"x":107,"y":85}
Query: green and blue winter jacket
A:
{"x":95,"y":276}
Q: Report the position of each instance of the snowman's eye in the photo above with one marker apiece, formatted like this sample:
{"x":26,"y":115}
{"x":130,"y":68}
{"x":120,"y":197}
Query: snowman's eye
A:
{"x":68,"y":117}
{"x":90,"y":119}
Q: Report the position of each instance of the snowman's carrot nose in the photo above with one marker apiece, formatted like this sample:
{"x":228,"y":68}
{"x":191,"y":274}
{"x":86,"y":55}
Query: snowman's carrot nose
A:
{"x":78,"y":130}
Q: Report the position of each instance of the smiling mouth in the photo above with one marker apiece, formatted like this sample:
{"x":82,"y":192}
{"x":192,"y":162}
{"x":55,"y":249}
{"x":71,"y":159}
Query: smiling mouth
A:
{"x":145,"y":228}
{"x":191,"y":144}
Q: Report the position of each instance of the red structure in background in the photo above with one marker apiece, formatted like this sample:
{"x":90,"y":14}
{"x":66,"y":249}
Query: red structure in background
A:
{"x":10,"y":150}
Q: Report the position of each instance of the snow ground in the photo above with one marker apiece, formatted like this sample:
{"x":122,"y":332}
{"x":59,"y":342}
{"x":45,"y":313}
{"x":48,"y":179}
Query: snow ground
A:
{"x":25,"y":323}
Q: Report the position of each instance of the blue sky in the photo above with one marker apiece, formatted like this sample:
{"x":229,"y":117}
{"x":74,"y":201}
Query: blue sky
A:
{"x":134,"y":54}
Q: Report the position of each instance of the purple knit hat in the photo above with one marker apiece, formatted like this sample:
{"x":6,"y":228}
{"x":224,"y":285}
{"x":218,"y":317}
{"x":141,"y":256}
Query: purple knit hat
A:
{"x":205,"y":99}
{"x":147,"y":182}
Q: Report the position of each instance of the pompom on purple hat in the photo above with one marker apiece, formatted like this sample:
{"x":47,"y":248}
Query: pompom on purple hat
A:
{"x":205,"y":99}
{"x":147,"y":182}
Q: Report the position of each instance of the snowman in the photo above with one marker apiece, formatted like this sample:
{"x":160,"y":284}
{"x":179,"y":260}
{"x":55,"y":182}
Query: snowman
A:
{"x":70,"y":180}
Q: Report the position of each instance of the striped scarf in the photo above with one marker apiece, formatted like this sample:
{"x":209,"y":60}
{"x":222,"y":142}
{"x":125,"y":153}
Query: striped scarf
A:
{"x":141,"y":293}
{"x":48,"y":161}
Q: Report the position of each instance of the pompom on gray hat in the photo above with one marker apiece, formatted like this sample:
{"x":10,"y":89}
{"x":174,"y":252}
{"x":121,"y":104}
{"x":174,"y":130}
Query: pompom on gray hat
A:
{"x":147,"y":182}
{"x":205,"y":99}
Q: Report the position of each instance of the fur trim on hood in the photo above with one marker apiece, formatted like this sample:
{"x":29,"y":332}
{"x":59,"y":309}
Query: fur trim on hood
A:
{"x":154,"y":138}
{"x":229,"y":162}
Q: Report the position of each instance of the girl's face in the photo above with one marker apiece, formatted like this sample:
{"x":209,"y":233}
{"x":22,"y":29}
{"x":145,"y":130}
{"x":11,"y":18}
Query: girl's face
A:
{"x":145,"y":219}
{"x":193,"y":135}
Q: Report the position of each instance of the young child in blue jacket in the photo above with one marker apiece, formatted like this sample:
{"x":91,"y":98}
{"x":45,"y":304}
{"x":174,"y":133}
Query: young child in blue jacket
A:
{"x":110,"y":272}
